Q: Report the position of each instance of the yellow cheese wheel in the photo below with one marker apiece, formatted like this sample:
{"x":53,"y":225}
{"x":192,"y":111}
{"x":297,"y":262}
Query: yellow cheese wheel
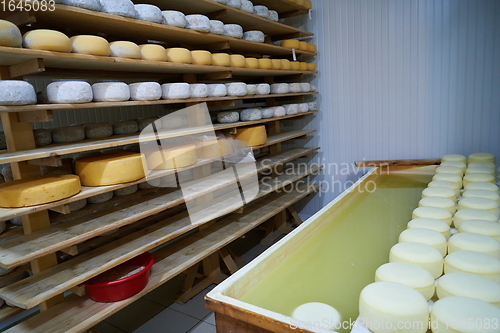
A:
{"x":108,"y":169}
{"x":153,"y":52}
{"x":252,"y":62}
{"x":276,"y":63}
{"x":124,"y":49}
{"x":265,"y":63}
{"x":291,"y":43}
{"x":311,"y":48}
{"x":179,"y":55}
{"x":285,"y":64}
{"x":201,"y":57}
{"x":303,"y":46}
{"x":300,"y":2}
{"x":10,"y":35}
{"x":38,"y":190}
{"x":93,"y":45}
{"x":215,"y":149}
{"x":252,"y":136}
{"x":308,"y":4}
{"x":303,"y":66}
{"x":221,"y":59}
{"x":172,"y":158}
{"x":311,"y":66}
{"x":295,"y":65}
{"x":237,"y":60}
{"x":48,"y":40}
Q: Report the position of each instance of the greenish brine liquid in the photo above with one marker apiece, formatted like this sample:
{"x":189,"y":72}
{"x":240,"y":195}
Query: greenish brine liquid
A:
{"x":335,"y":264}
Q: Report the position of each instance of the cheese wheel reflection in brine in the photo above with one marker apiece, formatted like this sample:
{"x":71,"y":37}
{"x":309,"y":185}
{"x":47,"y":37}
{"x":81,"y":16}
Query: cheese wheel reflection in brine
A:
{"x":468,"y":285}
{"x":425,"y":236}
{"x":411,"y":275}
{"x":481,"y":157}
{"x":479,"y":203}
{"x":438,"y":202}
{"x":392,"y":304}
{"x":454,"y":158}
{"x":422,"y":255}
{"x":473,"y":262}
{"x":450,"y":177}
{"x":468,"y":241}
{"x":473,"y":214}
{"x":316,"y":312}
{"x":478,"y":177}
{"x":433,"y":224}
{"x":433,"y":213}
{"x":482,"y":227}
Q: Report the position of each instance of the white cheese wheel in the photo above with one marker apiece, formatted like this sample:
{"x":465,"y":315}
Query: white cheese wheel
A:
{"x":111,"y":92}
{"x":425,"y":236}
{"x":100,"y":198}
{"x":228,"y":117}
{"x":313,"y":88}
{"x":254,"y":36}
{"x":473,"y":214}
{"x":69,"y":92}
{"x":312,"y":106}
{"x":440,"y":191}
{"x":77,"y":205}
{"x":295,"y":87}
{"x":279,"y":111}
{"x":174,"y":18}
{"x":464,"y":315}
{"x":172,"y":158}
{"x":179,"y":55}
{"x":233,"y":30}
{"x":250,"y":115}
{"x":391,"y":304}
{"x":291,"y":108}
{"x":439,"y":202}
{"x":123,"y":8}
{"x":481,"y":169}
{"x":450,"y":177}
{"x":42,"y":137}
{"x":273,"y":16}
{"x":173,"y":122}
{"x":17,"y":93}
{"x":68,"y":134}
{"x":263,"y":89}
{"x":482,"y":194}
{"x":262,"y":11}
{"x":145,"y":122}
{"x":422,"y":255}
{"x":479,"y":203}
{"x":481,"y":157}
{"x":217,"y":90}
{"x":10,"y":35}
{"x":482,"y":227}
{"x":201,"y":57}
{"x":473,"y":262}
{"x":98,"y":130}
{"x":411,"y":275}
{"x":93,"y":45}
{"x":38,"y":190}
{"x":267,"y":113}
{"x":454,"y":158}
{"x":246,"y":6}
{"x":251,"y":89}
{"x":125,"y":127}
{"x":234,"y":3}
{"x":198,"y":22}
{"x":153,"y":52}
{"x":198,"y":90}
{"x":145,"y":91}
{"x":303,"y":107}
{"x":179,"y":90}
{"x":126,"y":191}
{"x":316,"y":312}
{"x":449,"y":169}
{"x":237,"y":89}
{"x":433,"y":224}
{"x":468,"y":285}
{"x":469,"y":241}
{"x":461,"y":165}
{"x":221,"y":59}
{"x":149,"y":13}
{"x":216,"y":27}
{"x":280,"y":88}
{"x":124,"y":49}
{"x":479,"y":177}
{"x":305,"y":87}
{"x":48,"y":40}
{"x":94,"y":5}
{"x":444,"y":183}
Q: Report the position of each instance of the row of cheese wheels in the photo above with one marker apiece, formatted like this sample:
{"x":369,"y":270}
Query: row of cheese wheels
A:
{"x":227,"y":117}
{"x":470,"y":287}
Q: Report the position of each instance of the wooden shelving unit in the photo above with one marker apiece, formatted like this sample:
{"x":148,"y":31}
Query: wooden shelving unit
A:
{"x":65,"y":249}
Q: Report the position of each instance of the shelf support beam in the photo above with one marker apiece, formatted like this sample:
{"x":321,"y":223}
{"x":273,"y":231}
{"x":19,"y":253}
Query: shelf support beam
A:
{"x":32,"y":66}
{"x":42,"y":116}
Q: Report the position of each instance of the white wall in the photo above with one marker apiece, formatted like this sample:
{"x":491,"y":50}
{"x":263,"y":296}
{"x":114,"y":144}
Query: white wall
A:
{"x":405,"y":79}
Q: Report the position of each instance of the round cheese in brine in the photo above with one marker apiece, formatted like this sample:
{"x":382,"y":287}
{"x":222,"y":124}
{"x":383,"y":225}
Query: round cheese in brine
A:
{"x":481,"y":169}
{"x":473,"y":214}
{"x":450,"y":177}
{"x":422,"y":255}
{"x":468,"y":241}
{"x":10,"y":35}
{"x":481,"y":157}
{"x":482,"y":194}
{"x":433,"y":224}
{"x":411,"y":275}
{"x":93,"y":45}
{"x":479,"y":203}
{"x":444,"y":183}
{"x":438,"y":202}
{"x":153,"y":52}
{"x":479,"y":177}
{"x":468,"y":285}
{"x":473,"y":262}
{"x":47,"y":40}
{"x":449,"y":169}
{"x":438,"y":191}
{"x":425,"y":236}
{"x":483,"y":227}
{"x":318,"y":312}
{"x":124,"y":49}
{"x":454,"y":158}
{"x":432,"y":212}
{"x":461,"y":165}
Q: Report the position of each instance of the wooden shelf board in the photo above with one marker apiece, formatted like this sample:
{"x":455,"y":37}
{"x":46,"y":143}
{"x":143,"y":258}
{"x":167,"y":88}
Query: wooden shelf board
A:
{"x":26,"y":248}
{"x":233,"y":15}
{"x":43,"y":107}
{"x":7,"y":312}
{"x":282,"y":6}
{"x":45,"y":285}
{"x":77,"y":314}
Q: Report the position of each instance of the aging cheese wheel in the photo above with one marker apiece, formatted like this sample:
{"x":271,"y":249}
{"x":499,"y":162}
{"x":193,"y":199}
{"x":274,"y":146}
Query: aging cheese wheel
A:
{"x":280,"y":88}
{"x":251,"y":89}
{"x":481,"y":157}
{"x":215,"y":148}
{"x":276,"y":64}
{"x":221,"y":59}
{"x":473,"y":262}
{"x":125,"y":127}
{"x":48,"y":40}
{"x":265,"y":63}
{"x":252,"y":62}
{"x":100,"y":198}
{"x":316,"y":312}
{"x":312,"y":106}
{"x":172,"y":158}
{"x":174,"y":18}
{"x":74,"y":92}
{"x":450,"y":177}
{"x":145,"y":122}
{"x":246,"y":6}
{"x":42,"y":137}
{"x":111,"y":92}
{"x":251,"y":115}
{"x":391,"y":304}
{"x":473,"y":214}
{"x":68,"y":134}
{"x":124,"y":49}
{"x":234,"y":3}
{"x":454,"y":158}
{"x":444,"y":183}
{"x":311,"y":48}
{"x":305,"y":87}
{"x":98,"y":130}
{"x":295,"y":87}
{"x":303,"y":46}
{"x":468,"y":241}
{"x":461,"y":165}
{"x":285,"y":64}
{"x":303,"y":66}
{"x":291,"y":108}
{"x":153,"y":52}
{"x":201,"y":57}
{"x":77,"y":205}
{"x":479,"y":203}
{"x":93,"y":45}
{"x":291,"y":43}
{"x":228,"y":117}
{"x":123,"y":8}
{"x":425,"y":236}
{"x":38,"y":190}
{"x":237,"y":60}
{"x":199,"y":90}
{"x":17,"y":93}
{"x":478,"y":177}
{"x":7,"y":173}
{"x":432,"y":224}
{"x":126,"y":191}
{"x":179,"y":55}
{"x":198,"y":22}
{"x":468,"y":285}
{"x":94,"y":5}
{"x":295,"y":65}
{"x":109,"y":169}
{"x":233,"y":30}
{"x":422,"y":255}
{"x":482,"y":194}
{"x":179,"y":90}
{"x":482,"y":227}
{"x":463,"y":315}
{"x":432,"y":212}
{"x":267,"y":113}
{"x":411,"y":275}
{"x":145,"y":91}
{"x":262,"y":11}
{"x":173,"y":122}
{"x":274,"y":16}
{"x":217,"y":90}
{"x":438,"y":191}
{"x":252,"y":136}
{"x":10,"y":35}
{"x":236,"y":89}
{"x":254,"y":36}
{"x":149,"y":13}
{"x":263,"y":89}
{"x":216,"y":27}
{"x":279,"y":111}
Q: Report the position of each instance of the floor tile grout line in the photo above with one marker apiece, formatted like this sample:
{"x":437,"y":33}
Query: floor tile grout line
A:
{"x":187,"y":314}
{"x":114,"y":326}
{"x":198,"y":323}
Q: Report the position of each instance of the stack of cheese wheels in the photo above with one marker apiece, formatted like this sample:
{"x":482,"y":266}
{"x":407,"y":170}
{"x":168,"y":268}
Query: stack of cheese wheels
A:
{"x":172,"y":158}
